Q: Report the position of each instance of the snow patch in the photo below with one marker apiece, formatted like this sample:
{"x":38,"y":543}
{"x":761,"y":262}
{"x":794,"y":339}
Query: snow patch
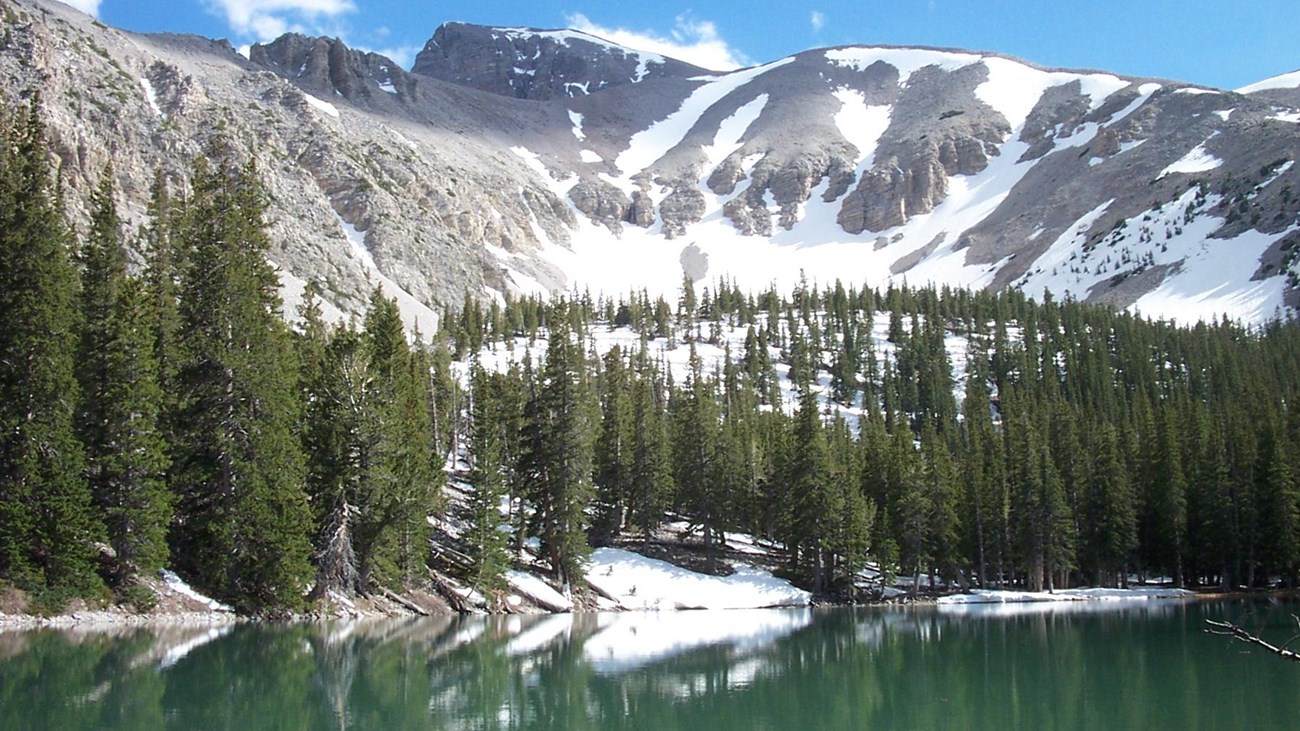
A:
{"x":654,"y":142}
{"x":731,"y":132}
{"x":415,"y":314}
{"x":1284,"y":81}
{"x":1216,"y":279}
{"x":292,"y":292}
{"x":534,"y":162}
{"x":540,"y":590}
{"x":590,"y":157}
{"x":1014,"y":89}
{"x":565,"y":37}
{"x":178,"y":585}
{"x":639,"y":582}
{"x":151,"y":96}
{"x":906,"y":60}
{"x":576,"y":119}
{"x":1197,"y":160}
{"x":322,"y":106}
{"x":861,"y":125}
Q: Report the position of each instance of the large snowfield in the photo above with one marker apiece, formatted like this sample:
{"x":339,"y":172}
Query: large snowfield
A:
{"x":817,"y":246}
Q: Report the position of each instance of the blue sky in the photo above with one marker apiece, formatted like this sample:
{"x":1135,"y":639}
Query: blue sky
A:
{"x":1212,"y":42}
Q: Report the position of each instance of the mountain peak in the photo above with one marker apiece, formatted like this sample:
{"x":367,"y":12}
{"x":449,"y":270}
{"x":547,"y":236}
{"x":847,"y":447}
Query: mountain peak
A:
{"x":529,"y":63}
{"x":326,"y":66}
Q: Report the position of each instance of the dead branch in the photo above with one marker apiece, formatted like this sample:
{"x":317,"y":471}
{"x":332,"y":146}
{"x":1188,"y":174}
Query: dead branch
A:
{"x":449,"y":592}
{"x":1228,"y":629}
{"x":404,"y":602}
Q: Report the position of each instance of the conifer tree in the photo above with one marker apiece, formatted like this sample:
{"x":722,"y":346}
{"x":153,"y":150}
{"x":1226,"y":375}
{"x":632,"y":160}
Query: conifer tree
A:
{"x":1109,"y":512}
{"x":162,"y":274}
{"x":47,"y":526}
{"x":243,"y":521}
{"x":1165,"y":520}
{"x":815,"y":503}
{"x":695,"y":459}
{"x":652,"y":483}
{"x":118,"y":416}
{"x":1279,"y":496}
{"x":614,"y":454}
{"x":487,"y":545}
{"x":942,"y":525}
{"x":558,"y":458}
{"x":404,"y":484}
{"x":333,"y":377}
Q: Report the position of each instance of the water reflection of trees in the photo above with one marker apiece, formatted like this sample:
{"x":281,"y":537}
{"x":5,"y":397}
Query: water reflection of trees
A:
{"x":824,"y":669}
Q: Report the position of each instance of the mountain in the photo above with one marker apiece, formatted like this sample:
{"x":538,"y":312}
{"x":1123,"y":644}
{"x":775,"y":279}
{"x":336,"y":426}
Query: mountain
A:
{"x":542,"y":160}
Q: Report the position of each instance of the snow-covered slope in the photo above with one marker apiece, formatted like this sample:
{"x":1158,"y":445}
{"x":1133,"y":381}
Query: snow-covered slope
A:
{"x":887,"y":164}
{"x":513,"y":159}
{"x":1282,"y":81}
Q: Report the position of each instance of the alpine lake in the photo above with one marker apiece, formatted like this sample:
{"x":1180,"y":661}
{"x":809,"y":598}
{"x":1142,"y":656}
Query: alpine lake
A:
{"x":1082,"y":665}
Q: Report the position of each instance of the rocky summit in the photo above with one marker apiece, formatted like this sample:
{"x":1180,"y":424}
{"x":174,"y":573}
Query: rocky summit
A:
{"x":524,"y":160}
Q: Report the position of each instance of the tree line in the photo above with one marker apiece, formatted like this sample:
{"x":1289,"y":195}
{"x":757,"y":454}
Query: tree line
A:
{"x":156,"y":410}
{"x":1077,"y":444}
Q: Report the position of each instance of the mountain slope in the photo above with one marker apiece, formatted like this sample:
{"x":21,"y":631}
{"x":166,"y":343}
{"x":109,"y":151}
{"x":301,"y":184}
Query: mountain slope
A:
{"x":528,"y":160}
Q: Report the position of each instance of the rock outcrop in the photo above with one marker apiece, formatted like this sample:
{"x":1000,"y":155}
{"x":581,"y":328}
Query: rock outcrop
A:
{"x":472,"y":172}
{"x":537,"y":64}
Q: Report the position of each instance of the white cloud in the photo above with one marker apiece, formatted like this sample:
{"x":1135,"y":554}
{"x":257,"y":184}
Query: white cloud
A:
{"x":89,"y":7}
{"x":693,"y":41}
{"x":264,"y":20}
{"x":818,"y":20}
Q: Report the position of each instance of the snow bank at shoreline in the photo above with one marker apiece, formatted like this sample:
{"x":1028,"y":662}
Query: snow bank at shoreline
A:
{"x":998,"y":596}
{"x":638,"y":582}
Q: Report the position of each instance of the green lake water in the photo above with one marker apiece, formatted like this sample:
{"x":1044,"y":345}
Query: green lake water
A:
{"x":1147,"y":665}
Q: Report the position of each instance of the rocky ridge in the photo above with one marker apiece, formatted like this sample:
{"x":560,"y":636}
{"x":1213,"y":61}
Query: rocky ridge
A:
{"x":528,"y":160}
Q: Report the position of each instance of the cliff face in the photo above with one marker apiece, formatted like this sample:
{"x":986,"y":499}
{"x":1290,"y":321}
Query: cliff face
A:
{"x":537,"y":65}
{"x":512,"y":159}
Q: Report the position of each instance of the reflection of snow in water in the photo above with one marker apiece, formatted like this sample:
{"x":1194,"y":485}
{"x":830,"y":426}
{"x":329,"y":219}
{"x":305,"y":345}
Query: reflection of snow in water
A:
{"x":539,"y":635}
{"x":992,"y":603}
{"x":631,"y":640}
{"x":181,"y":649}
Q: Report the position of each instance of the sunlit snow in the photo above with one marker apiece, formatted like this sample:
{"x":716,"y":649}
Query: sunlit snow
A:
{"x":638,"y":582}
{"x":650,"y":144}
{"x":322,"y":105}
{"x":1197,"y":160}
{"x":860,"y":124}
{"x":151,"y":96}
{"x":576,"y":119}
{"x":1284,"y":81}
{"x":415,"y":314}
{"x":906,"y":60}
{"x":178,"y":585}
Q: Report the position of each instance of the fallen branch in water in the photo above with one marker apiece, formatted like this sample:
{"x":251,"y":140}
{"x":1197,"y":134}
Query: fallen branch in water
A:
{"x":1228,"y":629}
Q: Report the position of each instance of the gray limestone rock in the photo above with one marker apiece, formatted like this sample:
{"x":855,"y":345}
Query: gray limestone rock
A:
{"x":527,"y":63}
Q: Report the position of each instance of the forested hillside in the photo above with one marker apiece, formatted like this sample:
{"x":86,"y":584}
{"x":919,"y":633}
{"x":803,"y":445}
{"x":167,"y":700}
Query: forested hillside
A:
{"x":156,"y":410}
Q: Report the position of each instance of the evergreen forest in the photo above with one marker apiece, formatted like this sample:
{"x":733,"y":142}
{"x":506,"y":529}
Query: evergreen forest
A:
{"x":157,"y":409}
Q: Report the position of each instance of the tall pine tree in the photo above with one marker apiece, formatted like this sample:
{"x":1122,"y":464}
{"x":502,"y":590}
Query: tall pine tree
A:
{"x":47,"y":526}
{"x":118,"y":417}
{"x":243,"y":522}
